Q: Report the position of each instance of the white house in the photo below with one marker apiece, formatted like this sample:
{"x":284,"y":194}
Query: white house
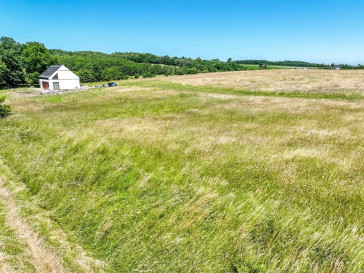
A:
{"x":58,"y":77}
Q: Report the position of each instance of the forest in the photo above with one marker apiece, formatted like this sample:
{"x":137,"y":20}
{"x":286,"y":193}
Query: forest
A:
{"x":96,"y":66}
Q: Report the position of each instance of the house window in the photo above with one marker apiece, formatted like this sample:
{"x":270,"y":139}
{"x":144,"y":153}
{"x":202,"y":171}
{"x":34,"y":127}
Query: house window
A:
{"x":55,"y":86}
{"x":55,"y":77}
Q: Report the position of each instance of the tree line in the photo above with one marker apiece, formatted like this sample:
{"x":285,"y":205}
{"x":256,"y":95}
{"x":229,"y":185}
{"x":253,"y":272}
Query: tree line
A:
{"x":284,"y":63}
{"x":348,"y":66}
{"x":96,"y":66}
{"x":299,"y":64}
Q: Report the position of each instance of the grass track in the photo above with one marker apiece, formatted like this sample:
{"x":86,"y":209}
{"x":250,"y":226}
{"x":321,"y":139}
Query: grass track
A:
{"x":13,"y":257}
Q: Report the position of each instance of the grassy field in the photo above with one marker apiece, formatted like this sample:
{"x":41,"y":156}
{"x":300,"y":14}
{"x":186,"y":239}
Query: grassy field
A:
{"x":256,"y":67}
{"x":252,"y":171}
{"x":288,"y":81}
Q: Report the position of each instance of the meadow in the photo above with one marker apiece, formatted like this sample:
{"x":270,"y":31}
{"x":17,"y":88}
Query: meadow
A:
{"x":251,"y":171}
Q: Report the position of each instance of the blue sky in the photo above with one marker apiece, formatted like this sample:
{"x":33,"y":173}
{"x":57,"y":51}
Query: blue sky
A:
{"x":319,"y":31}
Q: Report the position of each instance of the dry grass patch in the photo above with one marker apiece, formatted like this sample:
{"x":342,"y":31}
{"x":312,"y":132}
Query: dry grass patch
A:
{"x":285,"y":80}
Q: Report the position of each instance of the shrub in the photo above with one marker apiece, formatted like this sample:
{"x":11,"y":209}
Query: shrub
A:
{"x":5,"y":110}
{"x":148,"y":75}
{"x":192,"y":71}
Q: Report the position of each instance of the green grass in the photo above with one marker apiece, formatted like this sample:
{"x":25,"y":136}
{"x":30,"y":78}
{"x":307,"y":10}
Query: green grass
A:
{"x":176,"y":178}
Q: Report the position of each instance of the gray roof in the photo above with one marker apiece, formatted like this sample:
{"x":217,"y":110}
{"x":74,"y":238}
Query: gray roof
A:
{"x":46,"y":74}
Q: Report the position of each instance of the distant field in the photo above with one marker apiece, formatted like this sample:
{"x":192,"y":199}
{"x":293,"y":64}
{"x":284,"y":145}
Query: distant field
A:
{"x":252,"y":171}
{"x":293,"y":80}
{"x":256,"y":67}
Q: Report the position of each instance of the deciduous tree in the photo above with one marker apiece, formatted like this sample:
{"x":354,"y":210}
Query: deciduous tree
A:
{"x":12,"y":72}
{"x":36,"y":59}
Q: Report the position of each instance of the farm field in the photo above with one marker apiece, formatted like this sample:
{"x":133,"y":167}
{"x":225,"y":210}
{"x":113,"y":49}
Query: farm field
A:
{"x":256,"y":67}
{"x":289,"y":81}
{"x":251,"y":171}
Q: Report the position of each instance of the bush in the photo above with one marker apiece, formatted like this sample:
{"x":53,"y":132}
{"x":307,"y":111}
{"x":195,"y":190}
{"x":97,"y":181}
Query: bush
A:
{"x":5,"y":110}
{"x":191,"y":71}
{"x":148,"y":75}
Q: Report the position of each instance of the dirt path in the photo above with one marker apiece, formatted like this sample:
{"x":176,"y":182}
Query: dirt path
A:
{"x":42,"y":259}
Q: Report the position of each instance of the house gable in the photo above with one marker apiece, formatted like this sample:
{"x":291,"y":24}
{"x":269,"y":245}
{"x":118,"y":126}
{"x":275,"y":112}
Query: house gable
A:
{"x":65,"y":74}
{"x":58,"y":72}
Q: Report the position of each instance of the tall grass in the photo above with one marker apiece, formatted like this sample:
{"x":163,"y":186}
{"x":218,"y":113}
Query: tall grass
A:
{"x":165,"y":180}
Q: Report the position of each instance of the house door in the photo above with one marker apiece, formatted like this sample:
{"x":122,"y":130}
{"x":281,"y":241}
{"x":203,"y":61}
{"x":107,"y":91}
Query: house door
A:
{"x":45,"y":85}
{"x":56,"y":86}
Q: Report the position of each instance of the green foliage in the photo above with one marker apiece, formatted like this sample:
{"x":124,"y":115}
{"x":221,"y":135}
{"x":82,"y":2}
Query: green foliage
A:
{"x":116,"y":66}
{"x":2,"y":73}
{"x":5,"y":110}
{"x":192,"y":71}
{"x":32,"y":78}
{"x":86,"y":75}
{"x":12,"y":73}
{"x":111,"y":73}
{"x":36,"y":59}
{"x":21,"y":64}
{"x":347,"y":66}
{"x":148,"y":75}
{"x":282,"y":63}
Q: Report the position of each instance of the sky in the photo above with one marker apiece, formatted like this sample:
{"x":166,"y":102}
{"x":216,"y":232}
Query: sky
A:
{"x":326,"y":31}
